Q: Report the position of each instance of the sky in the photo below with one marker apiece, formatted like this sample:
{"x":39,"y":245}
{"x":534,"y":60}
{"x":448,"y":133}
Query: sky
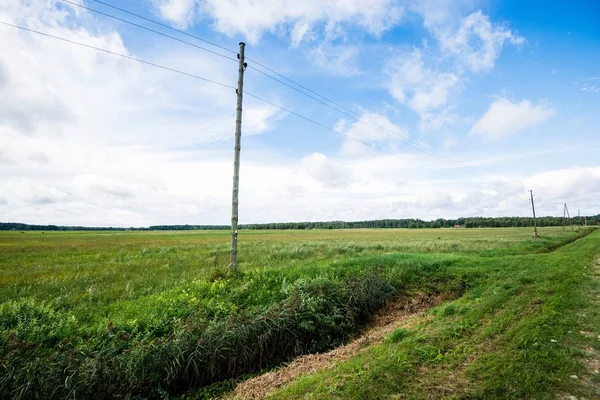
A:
{"x":450,"y":109}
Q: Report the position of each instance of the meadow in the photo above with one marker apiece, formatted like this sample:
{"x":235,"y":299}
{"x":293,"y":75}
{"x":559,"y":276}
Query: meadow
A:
{"x":159,"y":315}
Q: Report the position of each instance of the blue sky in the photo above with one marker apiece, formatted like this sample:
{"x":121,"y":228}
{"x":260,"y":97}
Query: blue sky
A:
{"x":500,"y":96}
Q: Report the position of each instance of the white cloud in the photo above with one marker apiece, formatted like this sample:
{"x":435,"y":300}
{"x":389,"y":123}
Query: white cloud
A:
{"x":421,"y":87}
{"x":435,"y":200}
{"x":91,"y":139}
{"x":182,"y":13}
{"x":298,"y":19}
{"x":449,"y":142}
{"x":570,"y":185}
{"x":54,"y":88}
{"x":505,"y":118}
{"x":477,"y":43}
{"x":337,"y":60}
{"x":324,"y":27}
{"x":427,"y":80}
{"x":320,"y":168}
{"x":439,"y":14}
{"x":591,"y":85}
{"x":39,"y":157}
{"x":372,"y":128}
{"x":139,"y":188}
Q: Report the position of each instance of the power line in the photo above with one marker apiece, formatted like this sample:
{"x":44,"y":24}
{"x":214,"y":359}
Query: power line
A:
{"x":118,"y":54}
{"x":195,"y":77}
{"x":203,"y":40}
{"x":356,"y":117}
{"x":360,"y":120}
{"x":221,"y":55}
{"x":336,"y":106}
{"x":165,"y":26}
{"x":301,"y":86}
{"x":328,"y":128}
{"x":150,"y":30}
{"x":317,"y":123}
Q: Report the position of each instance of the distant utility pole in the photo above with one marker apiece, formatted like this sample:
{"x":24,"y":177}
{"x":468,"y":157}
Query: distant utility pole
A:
{"x":236,"y":159}
{"x":535,"y":234}
{"x":565,"y":215}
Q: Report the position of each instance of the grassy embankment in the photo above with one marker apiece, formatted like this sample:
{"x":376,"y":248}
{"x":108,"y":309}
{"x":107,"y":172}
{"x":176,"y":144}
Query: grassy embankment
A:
{"x":148,"y":314}
{"x":519,"y":333}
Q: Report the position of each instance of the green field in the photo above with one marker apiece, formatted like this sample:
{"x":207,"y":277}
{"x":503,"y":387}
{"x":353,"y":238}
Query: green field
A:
{"x":158,"y":315}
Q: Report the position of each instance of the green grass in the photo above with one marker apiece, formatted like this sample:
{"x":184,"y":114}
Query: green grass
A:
{"x":513,"y":335}
{"x":148,"y":314}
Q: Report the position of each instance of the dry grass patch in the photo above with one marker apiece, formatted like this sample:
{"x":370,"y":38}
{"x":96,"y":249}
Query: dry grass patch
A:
{"x":402,"y":313}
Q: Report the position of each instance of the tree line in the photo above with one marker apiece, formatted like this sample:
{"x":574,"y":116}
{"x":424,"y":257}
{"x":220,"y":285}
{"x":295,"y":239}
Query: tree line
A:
{"x":411,"y":223}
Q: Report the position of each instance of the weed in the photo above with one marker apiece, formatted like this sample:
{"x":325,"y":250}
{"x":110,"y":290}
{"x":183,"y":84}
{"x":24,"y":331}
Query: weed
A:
{"x":398,"y":335}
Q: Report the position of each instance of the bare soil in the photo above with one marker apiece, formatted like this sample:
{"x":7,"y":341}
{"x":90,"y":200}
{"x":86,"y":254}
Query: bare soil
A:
{"x":403,"y":312}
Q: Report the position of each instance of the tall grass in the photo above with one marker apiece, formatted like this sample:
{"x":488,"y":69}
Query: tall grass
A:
{"x":46,"y":358}
{"x":144,"y":315}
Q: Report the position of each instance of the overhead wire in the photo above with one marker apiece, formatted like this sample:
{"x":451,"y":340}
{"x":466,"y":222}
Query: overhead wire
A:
{"x":317,"y":123}
{"x":165,"y":26}
{"x":117,"y":54}
{"x":360,"y":119}
{"x":210,"y":51}
{"x":333,"y":105}
{"x":357,"y":117}
{"x":150,"y":30}
{"x":195,"y":77}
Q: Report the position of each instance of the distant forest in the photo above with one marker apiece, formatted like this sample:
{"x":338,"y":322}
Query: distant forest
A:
{"x":471,"y":222}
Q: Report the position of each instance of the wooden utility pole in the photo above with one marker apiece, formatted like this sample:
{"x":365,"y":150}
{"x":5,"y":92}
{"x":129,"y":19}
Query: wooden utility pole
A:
{"x":535,"y":234}
{"x":565,"y":216}
{"x":236,"y":159}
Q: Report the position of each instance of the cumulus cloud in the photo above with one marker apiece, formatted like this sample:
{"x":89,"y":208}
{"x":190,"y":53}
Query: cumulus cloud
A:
{"x":373,"y":129}
{"x":338,"y":60}
{"x":419,"y":86}
{"x":6,"y":160}
{"x":427,"y":79}
{"x":568,"y":183}
{"x":320,"y":168}
{"x":449,"y":142}
{"x":505,"y":118}
{"x":91,"y":138}
{"x":426,"y":83}
{"x":40,"y":158}
{"x":296,"y":19}
{"x":436,"y":200}
{"x":322,"y":28}
{"x":181,"y":13}
{"x":478,"y":42}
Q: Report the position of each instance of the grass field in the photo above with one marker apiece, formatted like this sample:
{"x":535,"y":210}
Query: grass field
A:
{"x":156,"y":314}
